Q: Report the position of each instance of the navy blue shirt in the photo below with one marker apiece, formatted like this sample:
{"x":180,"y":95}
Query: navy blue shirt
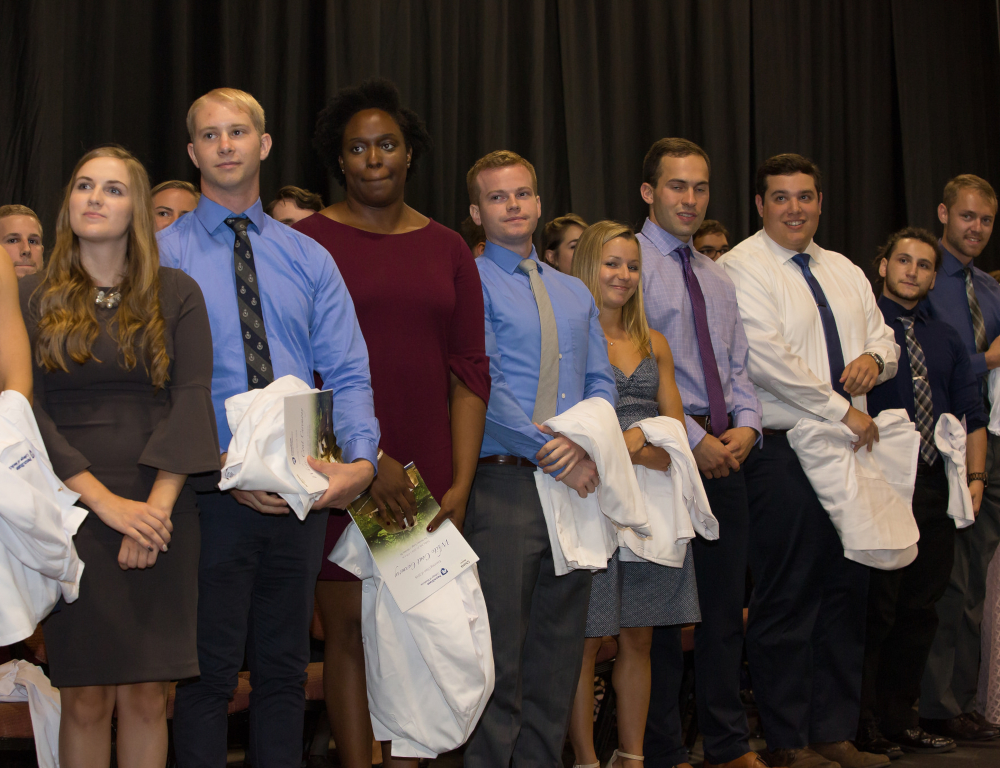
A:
{"x":954,"y":387}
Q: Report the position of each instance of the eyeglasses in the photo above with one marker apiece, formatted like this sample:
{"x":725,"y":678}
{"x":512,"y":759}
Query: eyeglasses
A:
{"x":713,"y":253}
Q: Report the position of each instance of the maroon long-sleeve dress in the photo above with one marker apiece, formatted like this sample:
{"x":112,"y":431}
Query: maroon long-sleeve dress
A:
{"x":420,"y":306}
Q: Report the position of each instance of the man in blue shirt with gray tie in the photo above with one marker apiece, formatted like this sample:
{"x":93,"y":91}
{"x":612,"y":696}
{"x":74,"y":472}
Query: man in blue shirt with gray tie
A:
{"x":547,"y":353}
{"x":277,"y":306}
{"x":968,"y":299}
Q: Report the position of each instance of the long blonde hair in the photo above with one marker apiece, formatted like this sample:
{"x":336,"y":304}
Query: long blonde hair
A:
{"x":67,"y":317}
{"x":587,"y":266}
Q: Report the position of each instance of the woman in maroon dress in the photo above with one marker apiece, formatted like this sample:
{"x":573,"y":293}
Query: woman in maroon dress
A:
{"x":419,"y":302}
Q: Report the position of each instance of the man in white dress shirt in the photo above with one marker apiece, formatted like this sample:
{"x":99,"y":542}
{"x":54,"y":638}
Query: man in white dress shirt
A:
{"x":818,"y":343}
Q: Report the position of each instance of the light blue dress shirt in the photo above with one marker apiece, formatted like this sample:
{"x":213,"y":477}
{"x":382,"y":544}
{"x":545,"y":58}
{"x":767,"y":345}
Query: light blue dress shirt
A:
{"x":948,"y":301}
{"x":308,"y":316}
{"x":669,"y":311}
{"x":514,"y":346}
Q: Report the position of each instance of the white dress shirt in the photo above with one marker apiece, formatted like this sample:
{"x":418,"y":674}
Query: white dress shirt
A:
{"x":788,"y":361}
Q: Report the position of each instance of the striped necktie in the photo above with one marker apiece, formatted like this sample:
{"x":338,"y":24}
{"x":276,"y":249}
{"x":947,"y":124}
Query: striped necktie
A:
{"x":978,"y":326}
{"x":923,"y":405}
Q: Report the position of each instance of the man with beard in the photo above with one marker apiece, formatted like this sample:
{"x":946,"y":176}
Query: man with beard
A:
{"x":968,"y":299}
{"x":934,"y":377}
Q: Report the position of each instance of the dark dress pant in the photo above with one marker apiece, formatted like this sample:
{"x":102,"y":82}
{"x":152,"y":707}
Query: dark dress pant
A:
{"x":720,"y":568}
{"x":256,"y":582}
{"x":902,"y":619}
{"x":806,"y":630}
{"x":951,"y":676}
{"x":537,"y":623}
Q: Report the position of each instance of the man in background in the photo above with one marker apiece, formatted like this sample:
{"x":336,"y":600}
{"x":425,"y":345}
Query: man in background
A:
{"x":21,"y":237}
{"x":711,"y":239}
{"x":294,"y":204}
{"x":474,"y":236}
{"x":171,"y":200}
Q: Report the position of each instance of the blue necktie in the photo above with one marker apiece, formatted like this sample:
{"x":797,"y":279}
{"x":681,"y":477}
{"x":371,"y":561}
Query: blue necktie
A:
{"x":833,"y":349}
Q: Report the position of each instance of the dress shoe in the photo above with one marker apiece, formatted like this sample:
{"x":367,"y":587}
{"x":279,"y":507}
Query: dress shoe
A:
{"x":845,"y":753}
{"x":981,"y":720}
{"x":797,"y":758}
{"x":749,"y":760}
{"x":961,"y":728}
{"x":870,"y":739}
{"x":919,"y":741}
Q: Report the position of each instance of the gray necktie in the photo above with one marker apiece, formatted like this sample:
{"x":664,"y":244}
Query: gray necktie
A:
{"x":546,"y":398}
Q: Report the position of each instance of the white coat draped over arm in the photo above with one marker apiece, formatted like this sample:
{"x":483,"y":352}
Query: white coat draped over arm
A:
{"x":38,"y":519}
{"x":950,"y":438}
{"x":675,"y":501}
{"x":867,"y":494}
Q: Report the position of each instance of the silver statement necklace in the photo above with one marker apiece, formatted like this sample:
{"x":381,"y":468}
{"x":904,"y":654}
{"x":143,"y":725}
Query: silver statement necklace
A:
{"x":108,"y":298}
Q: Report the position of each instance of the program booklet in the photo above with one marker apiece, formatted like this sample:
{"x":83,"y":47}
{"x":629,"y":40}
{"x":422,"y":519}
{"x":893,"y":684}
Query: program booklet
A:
{"x":414,"y":563}
{"x":309,"y":432}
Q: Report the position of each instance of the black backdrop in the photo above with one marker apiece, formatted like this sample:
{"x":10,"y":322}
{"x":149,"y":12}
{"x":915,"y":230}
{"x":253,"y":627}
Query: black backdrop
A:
{"x":890,"y":97}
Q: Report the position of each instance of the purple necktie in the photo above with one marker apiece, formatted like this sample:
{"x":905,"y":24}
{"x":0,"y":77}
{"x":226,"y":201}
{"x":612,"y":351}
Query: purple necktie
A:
{"x":713,"y":383}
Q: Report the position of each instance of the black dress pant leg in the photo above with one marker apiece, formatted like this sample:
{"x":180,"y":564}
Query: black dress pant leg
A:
{"x":921,"y":584}
{"x":805,"y":637}
{"x":663,"y":742}
{"x":720,"y":567}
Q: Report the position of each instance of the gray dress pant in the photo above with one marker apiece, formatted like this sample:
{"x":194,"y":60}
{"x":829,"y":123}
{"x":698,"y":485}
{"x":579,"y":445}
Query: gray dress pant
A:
{"x":951,"y":676}
{"x":537,"y":621}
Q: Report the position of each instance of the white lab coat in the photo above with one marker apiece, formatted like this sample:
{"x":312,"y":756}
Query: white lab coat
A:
{"x":868,"y":495}
{"x":429,"y":670}
{"x":21,"y":681}
{"x":257,"y":459}
{"x":582,"y":531}
{"x":675,"y":501}
{"x":950,"y":437}
{"x":38,"y":561}
{"x":993,"y":386}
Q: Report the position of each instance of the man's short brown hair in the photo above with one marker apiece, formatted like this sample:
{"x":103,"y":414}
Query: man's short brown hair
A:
{"x":712,"y":227}
{"x":908,"y":233}
{"x":303,"y":198}
{"x":968,"y":181}
{"x":787,"y":165}
{"x":669,"y":147}
{"x":501,"y":158}
{"x":21,"y":210}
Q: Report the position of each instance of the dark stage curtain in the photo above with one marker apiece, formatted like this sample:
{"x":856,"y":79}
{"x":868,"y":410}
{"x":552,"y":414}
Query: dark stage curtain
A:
{"x":890,"y":97}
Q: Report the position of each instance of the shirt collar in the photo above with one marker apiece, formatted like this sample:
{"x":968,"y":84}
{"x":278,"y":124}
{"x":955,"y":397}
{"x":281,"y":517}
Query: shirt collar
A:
{"x":784,"y":253}
{"x":893,"y":310}
{"x":212,"y":215}
{"x":664,"y":242}
{"x":949,"y":262}
{"x":507,"y":260}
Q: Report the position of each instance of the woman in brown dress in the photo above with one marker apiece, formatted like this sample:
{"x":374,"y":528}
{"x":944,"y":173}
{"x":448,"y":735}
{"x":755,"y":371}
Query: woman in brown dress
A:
{"x":123,"y":367}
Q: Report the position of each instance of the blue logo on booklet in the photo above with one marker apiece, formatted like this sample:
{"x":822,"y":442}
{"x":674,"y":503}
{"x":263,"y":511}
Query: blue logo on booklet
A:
{"x":444,"y":571}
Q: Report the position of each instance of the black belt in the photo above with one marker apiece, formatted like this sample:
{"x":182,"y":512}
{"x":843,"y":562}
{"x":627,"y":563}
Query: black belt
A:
{"x":768,"y":431}
{"x":508,"y":461}
{"x":925,"y":470}
{"x":705,"y":422}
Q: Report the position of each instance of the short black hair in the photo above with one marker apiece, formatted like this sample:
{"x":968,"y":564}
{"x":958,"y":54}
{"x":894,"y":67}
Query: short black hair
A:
{"x":907,"y":233}
{"x":374,"y":93}
{"x":669,"y":147}
{"x":786,"y":165}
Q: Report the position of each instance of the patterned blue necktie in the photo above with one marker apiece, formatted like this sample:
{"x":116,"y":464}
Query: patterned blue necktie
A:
{"x":833,"y":349}
{"x":255,"y":348}
{"x":923,"y":405}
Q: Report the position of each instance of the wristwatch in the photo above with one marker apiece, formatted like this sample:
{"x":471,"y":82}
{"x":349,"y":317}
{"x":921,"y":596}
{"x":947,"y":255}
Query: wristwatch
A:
{"x":878,"y":361}
{"x":977,"y":476}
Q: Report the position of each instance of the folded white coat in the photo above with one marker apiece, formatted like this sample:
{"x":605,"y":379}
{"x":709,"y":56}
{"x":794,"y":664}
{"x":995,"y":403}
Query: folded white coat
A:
{"x":38,"y":561}
{"x":582,"y":531}
{"x":257,"y":459}
{"x":993,"y":387}
{"x":950,"y":437}
{"x":675,"y":501}
{"x":429,"y":670}
{"x":868,"y":495}
{"x":21,"y":681}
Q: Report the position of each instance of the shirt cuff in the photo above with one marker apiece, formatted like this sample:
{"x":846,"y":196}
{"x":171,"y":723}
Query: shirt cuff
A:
{"x":752,"y":420}
{"x":362,"y":449}
{"x":978,"y":361}
{"x":695,"y":433}
{"x":836,"y":408}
